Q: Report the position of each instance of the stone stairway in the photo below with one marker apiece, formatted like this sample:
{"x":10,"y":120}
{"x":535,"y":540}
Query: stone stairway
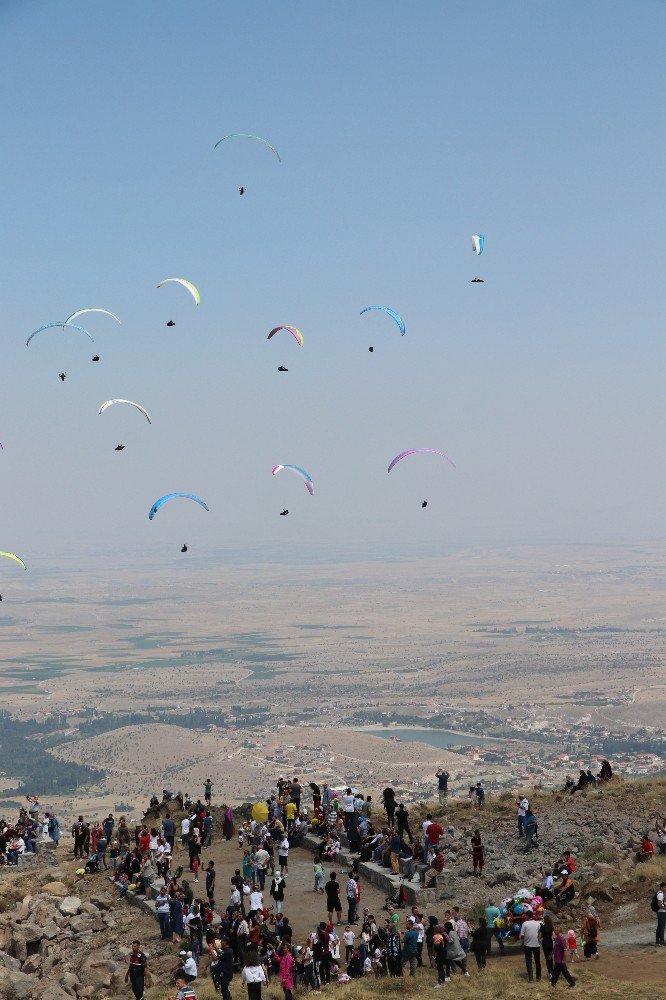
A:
{"x":383,"y":878}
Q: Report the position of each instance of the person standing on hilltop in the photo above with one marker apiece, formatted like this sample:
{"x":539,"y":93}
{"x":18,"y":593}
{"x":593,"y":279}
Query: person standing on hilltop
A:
{"x":316,"y":795}
{"x":442,"y":785}
{"x":108,"y":825}
{"x":227,"y":825}
{"x":388,"y":801}
{"x":295,"y":793}
{"x":523,"y":806}
{"x":530,"y":826}
{"x":402,"y":822}
{"x":478,"y":856}
{"x":208,"y":791}
{"x":185,"y":825}
{"x":79,"y":831}
{"x":168,"y":830}
{"x":123,"y":833}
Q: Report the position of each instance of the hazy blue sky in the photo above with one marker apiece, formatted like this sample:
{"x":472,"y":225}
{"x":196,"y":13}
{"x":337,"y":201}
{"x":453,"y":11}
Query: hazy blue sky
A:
{"x":403,"y":129}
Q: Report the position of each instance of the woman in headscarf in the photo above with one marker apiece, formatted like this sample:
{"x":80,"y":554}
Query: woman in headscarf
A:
{"x":455,"y":956}
{"x":316,"y":795}
{"x":228,"y":825}
{"x":591,"y":933}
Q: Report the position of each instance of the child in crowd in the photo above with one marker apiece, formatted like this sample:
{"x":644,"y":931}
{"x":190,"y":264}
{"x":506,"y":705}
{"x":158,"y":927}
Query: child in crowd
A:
{"x":348,"y":937}
{"x":572,"y":946}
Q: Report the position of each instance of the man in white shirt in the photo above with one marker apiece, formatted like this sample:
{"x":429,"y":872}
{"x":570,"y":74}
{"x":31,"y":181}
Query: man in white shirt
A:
{"x":530,"y":938}
{"x":283,"y":855}
{"x":184,"y":830}
{"x":424,"y":826}
{"x":256,"y":898}
{"x":262,"y":857}
{"x":189,"y":967}
{"x":547,"y":886}
{"x":523,"y":806}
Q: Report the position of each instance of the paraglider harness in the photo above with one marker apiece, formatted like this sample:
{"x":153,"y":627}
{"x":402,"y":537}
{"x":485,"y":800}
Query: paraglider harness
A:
{"x":399,"y":899}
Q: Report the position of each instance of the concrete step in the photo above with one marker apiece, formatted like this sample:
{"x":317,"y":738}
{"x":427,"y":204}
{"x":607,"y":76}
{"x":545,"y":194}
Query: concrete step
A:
{"x":379,"y":876}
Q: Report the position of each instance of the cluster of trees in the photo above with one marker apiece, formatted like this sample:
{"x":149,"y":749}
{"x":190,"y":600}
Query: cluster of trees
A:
{"x":23,"y":750}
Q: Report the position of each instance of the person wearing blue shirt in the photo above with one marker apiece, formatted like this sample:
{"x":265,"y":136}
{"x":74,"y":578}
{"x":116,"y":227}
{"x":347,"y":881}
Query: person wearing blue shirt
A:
{"x":443,"y":785}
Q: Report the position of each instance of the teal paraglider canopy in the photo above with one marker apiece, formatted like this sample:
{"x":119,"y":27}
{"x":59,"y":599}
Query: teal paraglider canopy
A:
{"x":172,"y":496}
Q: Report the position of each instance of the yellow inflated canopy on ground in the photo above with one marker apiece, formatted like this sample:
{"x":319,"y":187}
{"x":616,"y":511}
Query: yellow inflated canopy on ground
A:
{"x":260,"y":812}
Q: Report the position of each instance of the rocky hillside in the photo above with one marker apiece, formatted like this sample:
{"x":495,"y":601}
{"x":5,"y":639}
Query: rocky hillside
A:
{"x":602,"y":827}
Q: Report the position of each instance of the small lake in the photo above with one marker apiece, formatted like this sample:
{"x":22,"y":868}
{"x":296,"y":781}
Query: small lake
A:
{"x":433,"y":737}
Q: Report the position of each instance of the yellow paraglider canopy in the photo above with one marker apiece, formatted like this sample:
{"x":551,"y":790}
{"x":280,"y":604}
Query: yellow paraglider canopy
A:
{"x":260,"y":812}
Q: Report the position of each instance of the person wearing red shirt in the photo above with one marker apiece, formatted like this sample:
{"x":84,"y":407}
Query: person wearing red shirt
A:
{"x":432,"y":831}
{"x":436,"y":867}
{"x":646,"y":850}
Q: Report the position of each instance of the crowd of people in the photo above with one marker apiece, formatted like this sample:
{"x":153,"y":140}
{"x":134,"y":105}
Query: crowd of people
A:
{"x":245,"y":931}
{"x":22,"y":835}
{"x":253,"y":937}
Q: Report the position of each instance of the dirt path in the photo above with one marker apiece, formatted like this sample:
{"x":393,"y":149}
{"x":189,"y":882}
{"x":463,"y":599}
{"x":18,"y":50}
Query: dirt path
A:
{"x":302,"y":905}
{"x":633,"y":934}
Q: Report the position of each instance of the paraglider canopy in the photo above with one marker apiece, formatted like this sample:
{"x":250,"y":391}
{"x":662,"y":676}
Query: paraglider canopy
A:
{"x":391,"y":313}
{"x":419,"y":451}
{"x":10,"y":555}
{"x":477,"y":243}
{"x":192,"y":288}
{"x":172,"y":496}
{"x":63,"y":325}
{"x":296,"y":334}
{"x":305,"y":476}
{"x":137,"y":406}
{"x":80,"y":312}
{"x":246,"y":135}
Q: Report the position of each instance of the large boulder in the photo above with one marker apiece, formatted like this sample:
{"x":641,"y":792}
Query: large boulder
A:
{"x":9,"y":962}
{"x":69,"y":982}
{"x":31,"y":933}
{"x":56,"y":889}
{"x":70,"y":906}
{"x":32,"y":965}
{"x":104,"y":973}
{"x":102,"y":902}
{"x":16,"y":985}
{"x":16,"y":945}
{"x":55,"y":992}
